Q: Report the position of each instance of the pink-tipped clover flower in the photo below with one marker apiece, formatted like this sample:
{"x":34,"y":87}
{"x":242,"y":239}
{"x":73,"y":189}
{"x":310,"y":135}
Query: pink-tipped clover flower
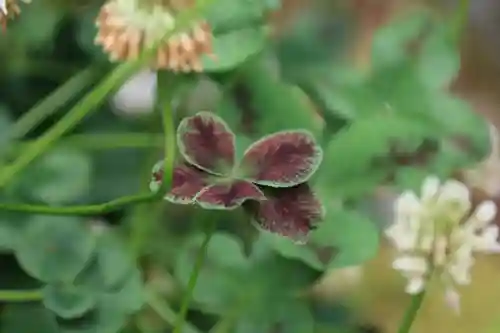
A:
{"x":269,"y":181}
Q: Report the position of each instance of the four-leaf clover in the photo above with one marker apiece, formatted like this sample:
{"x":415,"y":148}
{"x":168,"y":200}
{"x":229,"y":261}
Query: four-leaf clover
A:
{"x":270,"y":180}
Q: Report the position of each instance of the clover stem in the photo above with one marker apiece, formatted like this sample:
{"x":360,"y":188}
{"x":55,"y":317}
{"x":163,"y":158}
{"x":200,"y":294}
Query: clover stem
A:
{"x":411,"y":313}
{"x":142,"y":217}
{"x":87,"y":210}
{"x":20,"y":295}
{"x":164,"y":95}
{"x":164,"y":311}
{"x":165,"y":92}
{"x":460,"y":19}
{"x":193,"y":278}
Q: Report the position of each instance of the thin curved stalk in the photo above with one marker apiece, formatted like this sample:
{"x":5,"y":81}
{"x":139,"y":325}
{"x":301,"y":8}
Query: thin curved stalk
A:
{"x":141,"y":230}
{"x":193,"y":278}
{"x":20,"y":295}
{"x":87,"y":210}
{"x":411,"y":313}
{"x":166,"y":313}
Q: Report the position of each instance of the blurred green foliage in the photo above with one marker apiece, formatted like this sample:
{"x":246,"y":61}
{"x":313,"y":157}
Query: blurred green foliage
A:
{"x":77,"y":273}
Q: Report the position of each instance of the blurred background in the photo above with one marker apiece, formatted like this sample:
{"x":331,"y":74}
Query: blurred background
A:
{"x":52,"y":42}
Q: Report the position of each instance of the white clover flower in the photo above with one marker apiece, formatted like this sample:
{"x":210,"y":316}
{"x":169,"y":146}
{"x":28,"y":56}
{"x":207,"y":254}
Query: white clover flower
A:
{"x":127,"y":27}
{"x":438,"y":234}
{"x":3,"y":6}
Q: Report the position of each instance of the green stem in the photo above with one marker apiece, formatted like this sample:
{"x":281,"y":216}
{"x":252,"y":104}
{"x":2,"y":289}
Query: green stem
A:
{"x":411,"y":312}
{"x":144,"y":214}
{"x":460,"y":19}
{"x":90,"y":102}
{"x":113,"y":205}
{"x":193,"y":278}
{"x":142,"y":217}
{"x":87,"y":210}
{"x":165,"y":83}
{"x":53,"y":102}
{"x":140,"y":229}
{"x":20,"y":295}
{"x":165,"y":312}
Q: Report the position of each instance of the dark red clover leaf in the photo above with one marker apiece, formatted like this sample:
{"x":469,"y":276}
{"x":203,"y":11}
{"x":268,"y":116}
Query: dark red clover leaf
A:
{"x":292,"y":212}
{"x":229,"y":195}
{"x":283,"y":159}
{"x":187,"y":182}
{"x":207,"y":146}
{"x":205,"y":141}
{"x":271,"y":181}
{"x":156,"y":176}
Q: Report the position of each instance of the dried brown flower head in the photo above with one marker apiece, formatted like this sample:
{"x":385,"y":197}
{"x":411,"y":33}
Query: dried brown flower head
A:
{"x":10,"y":11}
{"x":126,"y":27}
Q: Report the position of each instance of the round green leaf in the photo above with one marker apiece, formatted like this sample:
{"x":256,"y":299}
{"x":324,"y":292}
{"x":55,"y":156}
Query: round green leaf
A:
{"x":106,"y":318}
{"x":288,"y":249}
{"x":54,"y":249}
{"x":67,"y":301}
{"x":110,"y":264}
{"x":342,"y":91}
{"x":233,"y":48}
{"x":439,"y":61}
{"x":389,"y":43}
{"x":268,"y":300}
{"x":129,"y":296}
{"x":219,"y":278}
{"x":364,"y":141}
{"x":226,"y":250}
{"x":109,"y":317}
{"x":112,"y":308}
{"x":91,"y":277}
{"x":354,"y":236}
{"x":457,"y":118}
{"x":114,"y":258}
{"x":11,"y":227}
{"x":61,"y":176}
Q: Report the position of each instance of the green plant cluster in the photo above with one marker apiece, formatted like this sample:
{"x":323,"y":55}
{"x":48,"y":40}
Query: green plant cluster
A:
{"x":86,"y":268}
